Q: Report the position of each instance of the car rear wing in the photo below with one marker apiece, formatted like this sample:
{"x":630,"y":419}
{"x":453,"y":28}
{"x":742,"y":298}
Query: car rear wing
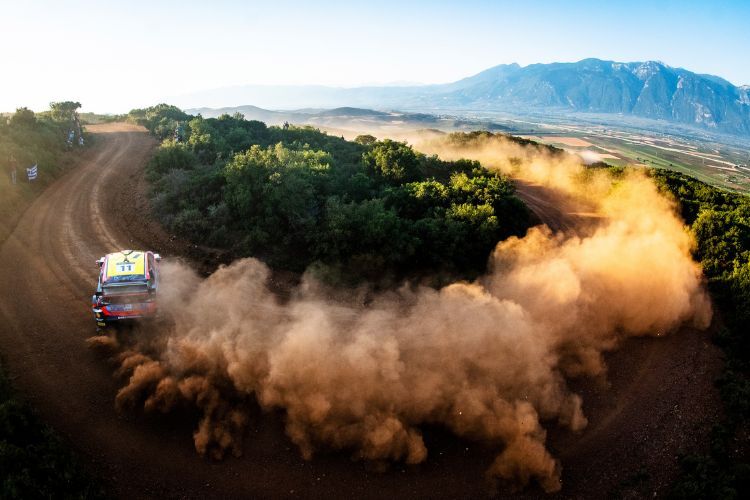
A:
{"x":125,"y":288}
{"x":138,"y":282}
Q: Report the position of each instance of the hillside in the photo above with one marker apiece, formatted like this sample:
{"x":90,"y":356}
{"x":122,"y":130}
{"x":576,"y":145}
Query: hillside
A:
{"x":388,"y":208}
{"x":341,"y":119}
{"x":296,"y":197}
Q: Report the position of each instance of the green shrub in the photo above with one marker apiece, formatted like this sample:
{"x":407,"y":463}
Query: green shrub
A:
{"x":720,"y":222}
{"x":295,"y":196}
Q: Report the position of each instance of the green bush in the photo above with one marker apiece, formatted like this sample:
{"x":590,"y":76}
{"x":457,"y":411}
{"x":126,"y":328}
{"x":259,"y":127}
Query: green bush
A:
{"x":295,"y":196}
{"x":720,"y":222}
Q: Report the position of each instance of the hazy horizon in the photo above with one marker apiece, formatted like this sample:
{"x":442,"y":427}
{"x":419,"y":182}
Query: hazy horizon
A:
{"x":113,"y":58}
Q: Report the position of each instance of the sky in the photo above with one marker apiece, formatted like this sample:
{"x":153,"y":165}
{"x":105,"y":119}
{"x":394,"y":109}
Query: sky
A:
{"x":114,"y":56}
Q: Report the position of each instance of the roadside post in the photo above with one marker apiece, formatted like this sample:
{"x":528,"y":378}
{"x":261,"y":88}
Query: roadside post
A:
{"x":13,"y":170}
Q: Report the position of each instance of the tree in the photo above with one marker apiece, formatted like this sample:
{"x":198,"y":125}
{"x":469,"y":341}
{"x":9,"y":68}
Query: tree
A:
{"x":23,"y":117}
{"x":365,"y":139}
{"x":63,"y":111}
{"x":393,"y":160}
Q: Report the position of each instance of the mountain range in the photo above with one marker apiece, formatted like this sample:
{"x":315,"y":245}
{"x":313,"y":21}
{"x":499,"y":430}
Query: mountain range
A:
{"x":651,"y":90}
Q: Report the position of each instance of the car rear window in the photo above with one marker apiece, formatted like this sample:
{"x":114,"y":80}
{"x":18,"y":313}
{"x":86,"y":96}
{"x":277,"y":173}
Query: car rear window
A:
{"x":126,"y":278}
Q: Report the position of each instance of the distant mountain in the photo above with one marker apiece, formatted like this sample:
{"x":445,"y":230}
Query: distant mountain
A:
{"x":649,"y":89}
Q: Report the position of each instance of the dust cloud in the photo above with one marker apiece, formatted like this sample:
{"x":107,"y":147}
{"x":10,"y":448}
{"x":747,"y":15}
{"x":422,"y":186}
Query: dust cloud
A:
{"x":489,"y":360}
{"x":537,"y":164}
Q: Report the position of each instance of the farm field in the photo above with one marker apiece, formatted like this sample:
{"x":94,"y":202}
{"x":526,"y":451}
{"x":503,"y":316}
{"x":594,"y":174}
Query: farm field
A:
{"x":718,"y":164}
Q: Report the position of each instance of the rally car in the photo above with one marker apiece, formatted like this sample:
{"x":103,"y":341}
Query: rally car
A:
{"x":128,"y":282}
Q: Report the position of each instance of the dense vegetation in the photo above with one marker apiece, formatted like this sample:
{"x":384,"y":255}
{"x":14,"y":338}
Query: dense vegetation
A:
{"x":720,"y":222}
{"x":34,"y":462}
{"x":161,"y":120}
{"x":28,"y":138}
{"x":295,"y":196}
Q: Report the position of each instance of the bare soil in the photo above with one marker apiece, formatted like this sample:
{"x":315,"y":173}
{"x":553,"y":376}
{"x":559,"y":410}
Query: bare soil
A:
{"x":656,"y":402}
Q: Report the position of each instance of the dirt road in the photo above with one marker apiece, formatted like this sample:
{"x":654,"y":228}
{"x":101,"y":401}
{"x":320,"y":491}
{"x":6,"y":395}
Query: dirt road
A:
{"x":657,"y":397}
{"x":555,"y":209}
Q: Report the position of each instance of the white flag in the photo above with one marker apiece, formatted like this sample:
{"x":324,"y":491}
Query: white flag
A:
{"x":31,"y":173}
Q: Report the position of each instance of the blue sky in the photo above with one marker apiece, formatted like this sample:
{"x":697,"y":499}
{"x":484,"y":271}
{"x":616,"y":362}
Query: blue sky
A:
{"x":112,"y":56}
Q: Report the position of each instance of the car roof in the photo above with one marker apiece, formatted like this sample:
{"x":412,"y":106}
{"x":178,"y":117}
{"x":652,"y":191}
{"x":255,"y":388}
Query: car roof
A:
{"x":125,"y":266}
